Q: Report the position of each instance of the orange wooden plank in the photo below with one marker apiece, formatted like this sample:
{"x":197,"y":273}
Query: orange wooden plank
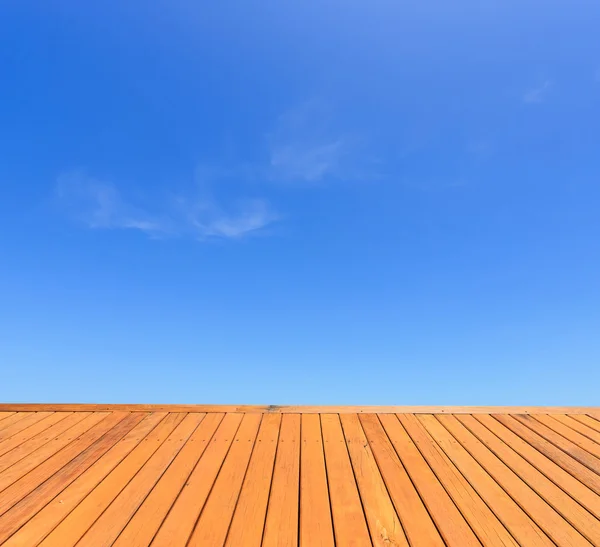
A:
{"x":580,"y":519}
{"x":33,"y":430}
{"x":488,"y":528}
{"x":109,"y":525}
{"x":52,"y":465}
{"x":587,"y":420}
{"x":519,"y":524}
{"x":22,"y":424}
{"x":580,"y":427}
{"x":25,"y":465}
{"x":413,"y":514}
{"x":215,"y":519}
{"x":36,"y":529}
{"x":147,"y":520}
{"x":554,"y":453}
{"x":281,"y":527}
{"x":20,"y":513}
{"x":576,"y":438}
{"x":286,"y":409}
{"x":449,"y":520}
{"x":35,"y":444}
{"x":558,"y":529}
{"x":248,"y":521}
{"x":13,"y":419}
{"x":315,"y":513}
{"x":576,"y":489}
{"x":349,"y":521}
{"x":76,"y":524}
{"x":384,"y":525}
{"x":566,"y":445}
{"x":4,"y":415}
{"x":179,"y":523}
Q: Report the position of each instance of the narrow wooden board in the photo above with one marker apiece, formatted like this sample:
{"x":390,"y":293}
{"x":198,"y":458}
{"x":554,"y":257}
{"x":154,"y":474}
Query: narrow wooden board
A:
{"x":147,"y":520}
{"x":384,"y":524}
{"x":26,"y":475}
{"x":575,"y":488}
{"x":488,"y":528}
{"x":181,"y":520}
{"x":24,"y":423}
{"x":349,"y":521}
{"x":565,"y":444}
{"x":552,"y":452}
{"x":281,"y":526}
{"x":562,"y":503}
{"x":566,"y":430}
{"x":416,"y":520}
{"x":316,"y":528}
{"x":77,"y":523}
{"x":213,"y":524}
{"x":36,"y":529}
{"x":20,"y":513}
{"x":105,"y":530}
{"x":248,"y":521}
{"x":559,"y":530}
{"x":517,"y":522}
{"x":27,"y":434}
{"x":300,"y":409}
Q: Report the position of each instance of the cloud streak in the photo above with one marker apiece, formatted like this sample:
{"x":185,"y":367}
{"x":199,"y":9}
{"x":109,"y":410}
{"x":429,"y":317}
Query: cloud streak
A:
{"x":99,"y":205}
{"x":537,"y":94}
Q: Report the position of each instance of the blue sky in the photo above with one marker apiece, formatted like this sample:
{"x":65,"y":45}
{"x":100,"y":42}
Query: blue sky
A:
{"x":300,"y":202}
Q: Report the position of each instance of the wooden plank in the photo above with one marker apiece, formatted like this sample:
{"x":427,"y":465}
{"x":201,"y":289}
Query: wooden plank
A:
{"x":413,"y":514}
{"x":349,"y":520}
{"x":77,"y":523}
{"x":26,"y":484}
{"x":488,"y":528}
{"x":214,"y":521}
{"x":105,"y":530}
{"x":33,"y":430}
{"x":179,"y":523}
{"x":587,"y":420}
{"x":450,"y":522}
{"x":580,"y":519}
{"x":316,"y":528}
{"x":566,"y":445}
{"x":384,"y":525}
{"x":581,"y":428}
{"x":558,"y":456}
{"x":575,"y":488}
{"x":20,"y":513}
{"x":559,"y":530}
{"x":28,"y":420}
{"x":40,"y":525}
{"x":518,"y":523}
{"x":16,"y":470}
{"x":576,"y":438}
{"x":281,"y":527}
{"x":22,"y":450}
{"x":4,"y":415}
{"x":15,"y":418}
{"x":248,"y":521}
{"x":286,"y":409}
{"x":147,"y":520}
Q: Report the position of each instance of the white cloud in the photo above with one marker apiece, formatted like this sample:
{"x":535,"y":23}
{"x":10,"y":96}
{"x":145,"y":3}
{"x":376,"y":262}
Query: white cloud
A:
{"x":537,"y":94}
{"x":303,"y":147}
{"x":100,"y":205}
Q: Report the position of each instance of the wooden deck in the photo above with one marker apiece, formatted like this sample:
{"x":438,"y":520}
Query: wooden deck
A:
{"x":131,"y":475}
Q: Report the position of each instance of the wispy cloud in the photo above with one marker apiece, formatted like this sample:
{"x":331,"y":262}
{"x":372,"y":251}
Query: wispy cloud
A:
{"x":100,"y":205}
{"x":305,"y":148}
{"x":537,"y":94}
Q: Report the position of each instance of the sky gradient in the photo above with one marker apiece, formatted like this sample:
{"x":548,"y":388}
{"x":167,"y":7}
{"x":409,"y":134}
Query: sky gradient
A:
{"x":300,"y":202}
